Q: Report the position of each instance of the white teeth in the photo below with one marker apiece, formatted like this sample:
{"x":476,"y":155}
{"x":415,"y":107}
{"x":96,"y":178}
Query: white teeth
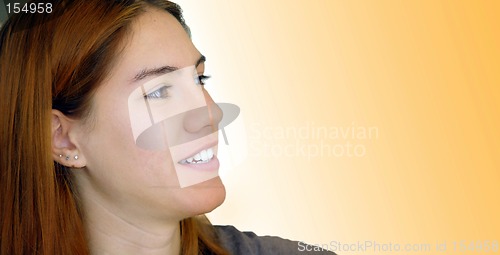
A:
{"x":203,"y":156}
{"x":197,"y":156}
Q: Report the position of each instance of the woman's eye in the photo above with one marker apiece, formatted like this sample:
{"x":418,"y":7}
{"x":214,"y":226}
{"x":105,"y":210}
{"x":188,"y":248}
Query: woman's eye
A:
{"x":159,"y":93}
{"x":200,"y":79}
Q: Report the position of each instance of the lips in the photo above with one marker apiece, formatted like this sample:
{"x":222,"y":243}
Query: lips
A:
{"x":201,"y":157}
{"x":204,"y":163}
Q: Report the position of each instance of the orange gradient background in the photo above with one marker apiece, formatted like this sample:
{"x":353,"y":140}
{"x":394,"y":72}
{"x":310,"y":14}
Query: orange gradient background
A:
{"x":424,"y":74}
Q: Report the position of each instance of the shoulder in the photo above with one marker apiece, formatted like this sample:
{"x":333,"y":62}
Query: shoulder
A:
{"x":238,"y":242}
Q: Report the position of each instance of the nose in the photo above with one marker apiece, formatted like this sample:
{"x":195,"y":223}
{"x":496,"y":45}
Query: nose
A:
{"x":204,"y":120}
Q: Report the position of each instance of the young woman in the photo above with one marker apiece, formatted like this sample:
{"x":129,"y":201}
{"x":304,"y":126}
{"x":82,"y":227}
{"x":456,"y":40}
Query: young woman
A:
{"x":107,"y":135}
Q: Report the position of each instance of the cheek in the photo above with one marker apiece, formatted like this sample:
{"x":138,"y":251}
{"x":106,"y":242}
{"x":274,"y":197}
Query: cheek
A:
{"x":116,"y":163}
{"x":156,"y":170}
{"x":133,"y":178}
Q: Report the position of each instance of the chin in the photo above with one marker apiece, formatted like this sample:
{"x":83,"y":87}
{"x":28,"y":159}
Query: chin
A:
{"x":204,"y":197}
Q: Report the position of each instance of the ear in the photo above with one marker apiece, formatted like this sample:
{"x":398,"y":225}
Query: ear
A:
{"x":64,"y":147}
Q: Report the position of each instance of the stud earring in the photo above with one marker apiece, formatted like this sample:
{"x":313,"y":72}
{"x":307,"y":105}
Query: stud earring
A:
{"x":76,"y":157}
{"x":60,"y":155}
{"x":67,"y":157}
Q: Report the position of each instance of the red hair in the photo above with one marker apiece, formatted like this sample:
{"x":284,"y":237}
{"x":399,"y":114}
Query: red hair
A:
{"x":57,"y":63}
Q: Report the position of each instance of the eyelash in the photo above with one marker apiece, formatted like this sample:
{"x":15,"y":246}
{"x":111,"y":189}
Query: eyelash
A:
{"x":163,"y":91}
{"x":201,"y":78}
{"x":159,"y":93}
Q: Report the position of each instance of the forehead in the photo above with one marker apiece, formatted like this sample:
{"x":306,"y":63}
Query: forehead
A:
{"x":157,"y":39}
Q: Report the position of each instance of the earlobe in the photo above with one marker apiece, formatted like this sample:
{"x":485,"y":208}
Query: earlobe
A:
{"x":64,"y":149}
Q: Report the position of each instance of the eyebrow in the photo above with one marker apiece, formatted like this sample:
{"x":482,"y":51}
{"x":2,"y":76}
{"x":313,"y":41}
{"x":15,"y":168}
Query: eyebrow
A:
{"x":162,"y":70}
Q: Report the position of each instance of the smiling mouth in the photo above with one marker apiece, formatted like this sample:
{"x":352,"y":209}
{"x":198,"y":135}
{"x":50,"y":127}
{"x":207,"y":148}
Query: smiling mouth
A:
{"x":204,"y":156}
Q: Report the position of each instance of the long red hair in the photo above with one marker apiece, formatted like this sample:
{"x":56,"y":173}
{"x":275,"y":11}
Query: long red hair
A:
{"x":56,"y":61}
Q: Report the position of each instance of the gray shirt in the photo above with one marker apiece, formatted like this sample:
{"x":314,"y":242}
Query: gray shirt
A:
{"x":248,"y":243}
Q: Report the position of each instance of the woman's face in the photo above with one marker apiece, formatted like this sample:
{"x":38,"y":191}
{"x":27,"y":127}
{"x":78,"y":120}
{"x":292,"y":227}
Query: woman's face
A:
{"x":133,"y":176}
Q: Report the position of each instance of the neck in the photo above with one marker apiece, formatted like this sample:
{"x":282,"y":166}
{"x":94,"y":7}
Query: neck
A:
{"x":110,"y":232}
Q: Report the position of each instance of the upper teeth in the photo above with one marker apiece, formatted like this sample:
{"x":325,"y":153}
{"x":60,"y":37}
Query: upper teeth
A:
{"x":200,"y":157}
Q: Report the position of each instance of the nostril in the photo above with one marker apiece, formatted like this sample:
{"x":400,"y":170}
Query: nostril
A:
{"x":198,"y":119}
